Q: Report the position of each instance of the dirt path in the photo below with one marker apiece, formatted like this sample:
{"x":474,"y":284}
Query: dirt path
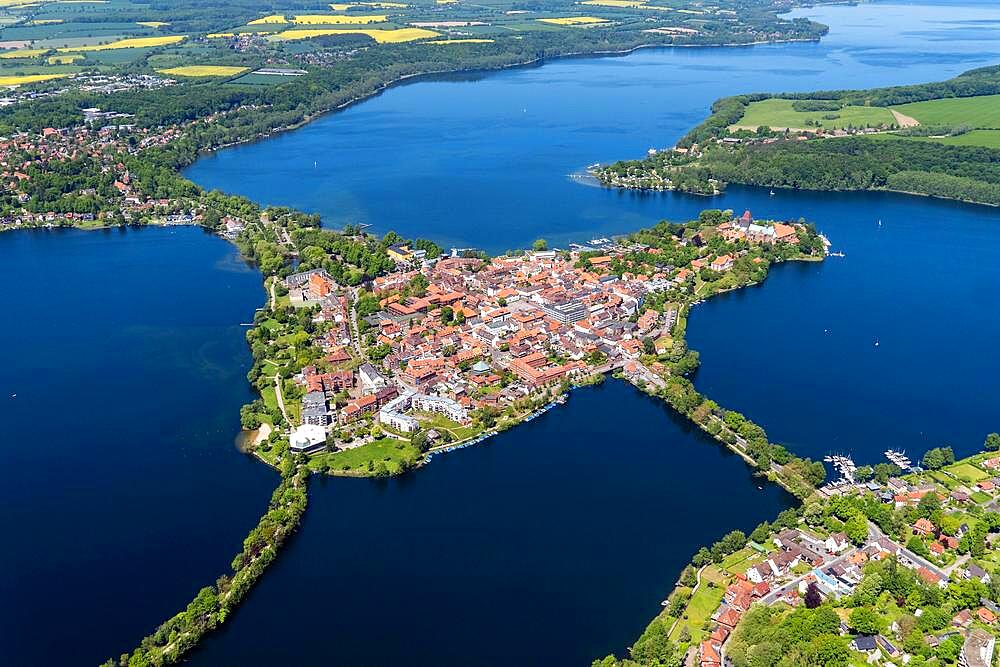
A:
{"x":903,"y":120}
{"x":281,"y":398}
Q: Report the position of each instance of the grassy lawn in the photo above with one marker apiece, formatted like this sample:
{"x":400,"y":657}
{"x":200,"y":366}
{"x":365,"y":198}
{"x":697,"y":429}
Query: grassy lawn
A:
{"x":980,"y":497}
{"x":270,"y":400}
{"x":430,"y":421}
{"x":739,"y":561}
{"x":702,"y":605}
{"x":779,"y":114}
{"x":967,"y":471}
{"x":949,"y":482}
{"x":389,"y":451}
{"x":981,"y":112}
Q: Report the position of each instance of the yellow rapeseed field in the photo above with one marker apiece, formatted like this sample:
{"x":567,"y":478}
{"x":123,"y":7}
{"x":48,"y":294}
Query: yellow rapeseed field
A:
{"x":380,"y":36}
{"x":28,"y":78}
{"x":273,"y":18}
{"x":204,"y":70}
{"x":574,"y":20}
{"x":625,"y":4}
{"x":45,"y":22}
{"x":336,"y":19}
{"x":67,"y":59}
{"x":152,"y":24}
{"x":130,"y":43}
{"x":344,"y":6}
{"x":23,"y":53}
{"x":461,"y":41}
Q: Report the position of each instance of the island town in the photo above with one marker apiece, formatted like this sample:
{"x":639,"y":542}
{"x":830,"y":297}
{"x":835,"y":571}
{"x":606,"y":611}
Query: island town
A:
{"x":444,"y":350}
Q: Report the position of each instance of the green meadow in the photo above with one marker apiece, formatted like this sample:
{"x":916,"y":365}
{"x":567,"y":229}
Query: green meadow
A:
{"x":780,"y":114}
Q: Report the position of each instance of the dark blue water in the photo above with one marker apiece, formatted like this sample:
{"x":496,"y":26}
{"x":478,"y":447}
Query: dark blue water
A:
{"x":486,"y":161}
{"x":121,"y":492}
{"x":798,"y":354}
{"x":550,"y":545}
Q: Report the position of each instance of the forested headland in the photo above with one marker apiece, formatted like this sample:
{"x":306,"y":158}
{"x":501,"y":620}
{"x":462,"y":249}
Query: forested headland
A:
{"x":952,"y":155}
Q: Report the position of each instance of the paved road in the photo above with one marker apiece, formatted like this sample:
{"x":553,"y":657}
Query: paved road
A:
{"x":875,"y":533}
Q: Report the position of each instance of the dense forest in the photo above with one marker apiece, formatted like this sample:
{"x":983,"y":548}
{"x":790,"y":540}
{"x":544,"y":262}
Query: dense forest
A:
{"x":861,"y":163}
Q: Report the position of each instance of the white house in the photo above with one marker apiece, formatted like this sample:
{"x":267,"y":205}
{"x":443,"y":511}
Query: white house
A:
{"x":307,"y":438}
{"x":836,"y":543}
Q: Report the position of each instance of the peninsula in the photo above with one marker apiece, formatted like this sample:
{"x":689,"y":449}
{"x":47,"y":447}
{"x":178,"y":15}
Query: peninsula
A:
{"x":936,"y":139}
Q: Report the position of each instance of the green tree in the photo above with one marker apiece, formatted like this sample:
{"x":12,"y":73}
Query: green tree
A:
{"x":761,"y":532}
{"x":540,"y":245}
{"x":866,"y":621}
{"x":856,"y":528}
{"x":917,"y":546}
{"x":992,"y":442}
{"x":937,"y":458}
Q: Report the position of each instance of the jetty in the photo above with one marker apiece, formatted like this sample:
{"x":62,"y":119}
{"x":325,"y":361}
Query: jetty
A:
{"x":899,"y":458}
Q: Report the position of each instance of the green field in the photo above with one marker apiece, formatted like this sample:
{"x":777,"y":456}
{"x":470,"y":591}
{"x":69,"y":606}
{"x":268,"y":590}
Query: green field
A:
{"x":389,"y":451}
{"x":979,"y":112}
{"x":779,"y":114}
{"x":985,"y":138}
{"x":966,"y":471}
{"x":703,"y":604}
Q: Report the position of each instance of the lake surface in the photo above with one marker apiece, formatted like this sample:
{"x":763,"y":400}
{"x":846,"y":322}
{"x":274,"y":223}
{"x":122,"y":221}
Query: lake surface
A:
{"x":553,"y":544}
{"x":121,"y":492}
{"x":485,"y":160}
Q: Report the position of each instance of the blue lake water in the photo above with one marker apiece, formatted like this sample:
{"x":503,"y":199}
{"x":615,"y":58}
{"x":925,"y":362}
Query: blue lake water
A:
{"x":550,"y":545}
{"x":554,"y":543}
{"x":121,"y":491}
{"x":486,"y":160}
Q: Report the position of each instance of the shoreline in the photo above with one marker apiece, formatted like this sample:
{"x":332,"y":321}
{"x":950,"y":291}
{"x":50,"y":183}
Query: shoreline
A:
{"x":407,"y":78}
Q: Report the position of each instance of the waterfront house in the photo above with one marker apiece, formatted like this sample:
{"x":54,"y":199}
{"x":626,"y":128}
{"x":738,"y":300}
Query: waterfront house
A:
{"x":306,"y":439}
{"x":722,"y":263}
{"x":759,"y":573}
{"x":728,"y":617}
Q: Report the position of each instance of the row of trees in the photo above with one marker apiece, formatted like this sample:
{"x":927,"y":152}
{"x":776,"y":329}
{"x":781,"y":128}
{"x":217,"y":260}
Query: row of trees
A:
{"x":213,"y":604}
